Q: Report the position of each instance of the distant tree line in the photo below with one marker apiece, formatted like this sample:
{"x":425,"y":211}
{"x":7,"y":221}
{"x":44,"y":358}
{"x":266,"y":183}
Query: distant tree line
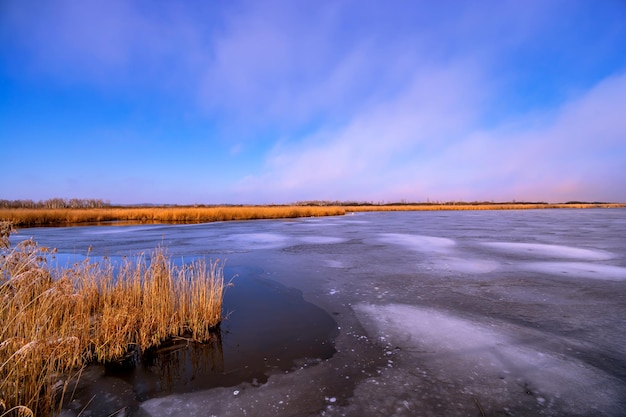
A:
{"x":56,"y":203}
{"x":85,"y":203}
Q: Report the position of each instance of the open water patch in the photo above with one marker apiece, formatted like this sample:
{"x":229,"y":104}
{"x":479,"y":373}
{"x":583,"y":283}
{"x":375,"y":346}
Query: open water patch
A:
{"x":269,"y":329}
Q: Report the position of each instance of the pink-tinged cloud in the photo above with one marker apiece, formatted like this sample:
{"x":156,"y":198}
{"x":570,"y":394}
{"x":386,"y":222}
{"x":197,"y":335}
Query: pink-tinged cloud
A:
{"x":576,"y":149}
{"x":417,"y":149}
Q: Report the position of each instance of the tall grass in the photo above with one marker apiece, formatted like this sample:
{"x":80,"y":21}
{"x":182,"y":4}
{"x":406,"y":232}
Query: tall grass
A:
{"x":55,"y":321}
{"x":25,"y":217}
{"x":35,"y":217}
{"x":478,"y":206}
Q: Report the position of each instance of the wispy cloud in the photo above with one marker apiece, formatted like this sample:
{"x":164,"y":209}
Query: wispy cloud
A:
{"x":279,"y":101}
{"x":416,"y":148}
{"x":384,"y":138}
{"x":575,"y":150}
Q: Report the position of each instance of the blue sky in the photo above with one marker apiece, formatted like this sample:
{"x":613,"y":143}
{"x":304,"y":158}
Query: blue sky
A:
{"x":280,"y":101}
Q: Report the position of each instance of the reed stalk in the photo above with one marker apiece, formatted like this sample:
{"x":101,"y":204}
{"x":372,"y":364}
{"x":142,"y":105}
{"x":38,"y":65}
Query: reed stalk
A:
{"x":53,"y":322}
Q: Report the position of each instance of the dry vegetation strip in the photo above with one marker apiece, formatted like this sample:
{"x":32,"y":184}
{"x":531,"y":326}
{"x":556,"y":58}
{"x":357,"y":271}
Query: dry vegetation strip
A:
{"x":36,"y":217}
{"x":25,"y":217}
{"x":482,"y":206}
{"x":54,"y":321}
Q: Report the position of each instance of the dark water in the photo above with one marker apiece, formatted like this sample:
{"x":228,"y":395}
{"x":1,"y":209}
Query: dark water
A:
{"x":269,"y":328}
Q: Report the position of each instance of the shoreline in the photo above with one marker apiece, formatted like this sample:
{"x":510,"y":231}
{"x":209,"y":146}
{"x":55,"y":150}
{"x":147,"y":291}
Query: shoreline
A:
{"x":33,"y":217}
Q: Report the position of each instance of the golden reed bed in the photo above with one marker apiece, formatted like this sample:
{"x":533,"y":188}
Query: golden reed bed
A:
{"x":55,"y":321}
{"x":481,"y":206}
{"x":37,"y":217}
{"x":23,"y":217}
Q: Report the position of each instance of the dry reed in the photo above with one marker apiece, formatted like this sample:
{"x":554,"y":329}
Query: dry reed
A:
{"x":478,"y":206}
{"x":55,"y":321}
{"x":25,"y":217}
{"x":36,"y":217}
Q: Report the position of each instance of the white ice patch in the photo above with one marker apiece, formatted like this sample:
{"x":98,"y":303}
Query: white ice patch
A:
{"x":463,"y":349}
{"x":316,"y":223}
{"x":578,"y":269}
{"x":419,"y":242}
{"x":331,"y":263}
{"x":551,"y":251}
{"x":467,"y":265}
{"x":260,"y":240}
{"x":415,"y":326}
{"x":323,"y":240}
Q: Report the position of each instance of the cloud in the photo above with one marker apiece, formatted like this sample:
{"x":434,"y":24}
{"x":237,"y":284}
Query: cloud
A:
{"x":285,"y":65}
{"x":378,"y":142}
{"x":417,"y":148}
{"x":576,"y":150}
{"x":337,"y":100}
{"x":281,"y":64}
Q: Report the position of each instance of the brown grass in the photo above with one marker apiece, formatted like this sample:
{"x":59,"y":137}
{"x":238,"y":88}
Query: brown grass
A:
{"x":53,"y":322}
{"x":25,"y":217}
{"x":35,"y":217}
{"x":480,"y":206}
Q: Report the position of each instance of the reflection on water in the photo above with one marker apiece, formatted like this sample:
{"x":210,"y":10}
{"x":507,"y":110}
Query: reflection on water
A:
{"x":175,"y":364}
{"x":270,"y":328}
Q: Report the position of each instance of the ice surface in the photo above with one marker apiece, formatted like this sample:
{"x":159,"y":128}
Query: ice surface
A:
{"x":107,"y":230}
{"x":444,"y":253}
{"x":314,"y":221}
{"x":277,"y":240}
{"x":332,"y":263}
{"x":459,"y":347}
{"x":578,"y":269}
{"x":553,"y":251}
{"x":468,"y":265}
{"x":419,"y":242}
{"x":259,"y":240}
{"x":322,"y":239}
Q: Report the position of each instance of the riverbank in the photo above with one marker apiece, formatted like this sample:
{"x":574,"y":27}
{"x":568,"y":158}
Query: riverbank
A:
{"x":28,"y":217}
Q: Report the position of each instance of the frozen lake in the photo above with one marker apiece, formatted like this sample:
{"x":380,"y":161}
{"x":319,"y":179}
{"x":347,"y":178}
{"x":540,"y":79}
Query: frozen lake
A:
{"x":409,"y":313}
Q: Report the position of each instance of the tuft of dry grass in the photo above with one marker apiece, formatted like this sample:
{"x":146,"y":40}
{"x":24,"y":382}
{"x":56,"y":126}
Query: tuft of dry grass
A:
{"x":55,"y":321}
{"x":6,"y":228}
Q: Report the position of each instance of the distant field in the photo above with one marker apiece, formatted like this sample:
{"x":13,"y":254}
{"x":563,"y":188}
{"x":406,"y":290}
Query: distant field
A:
{"x":24,"y":217}
{"x":481,"y":206}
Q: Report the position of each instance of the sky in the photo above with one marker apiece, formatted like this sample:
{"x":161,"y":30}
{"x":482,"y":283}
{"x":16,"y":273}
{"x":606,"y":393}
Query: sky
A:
{"x":259,"y":102}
